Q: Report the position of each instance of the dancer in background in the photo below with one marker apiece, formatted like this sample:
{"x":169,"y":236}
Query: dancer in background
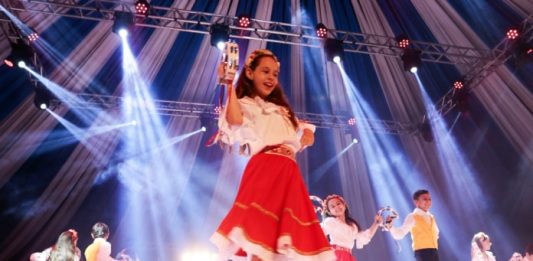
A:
{"x":423,"y":228}
{"x":516,"y":257}
{"x":100,"y":249}
{"x":272,"y":217}
{"x":65,"y":249}
{"x":343,"y":230}
{"x":480,"y":248}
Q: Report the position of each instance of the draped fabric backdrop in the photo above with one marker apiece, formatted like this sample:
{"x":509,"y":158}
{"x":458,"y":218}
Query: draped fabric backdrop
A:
{"x":481,"y":181}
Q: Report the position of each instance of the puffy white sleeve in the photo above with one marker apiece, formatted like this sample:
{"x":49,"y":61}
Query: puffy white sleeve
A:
{"x":304,"y":125}
{"x":41,"y":256}
{"x":399,"y":232}
{"x":244,"y":134}
{"x":327,"y":225}
{"x":362,"y":238}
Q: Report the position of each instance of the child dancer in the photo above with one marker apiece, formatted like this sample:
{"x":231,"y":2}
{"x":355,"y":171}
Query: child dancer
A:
{"x":272,"y":217}
{"x":64,"y":249}
{"x":100,"y":249}
{"x":423,"y":228}
{"x":480,"y":248}
{"x":343,"y":230}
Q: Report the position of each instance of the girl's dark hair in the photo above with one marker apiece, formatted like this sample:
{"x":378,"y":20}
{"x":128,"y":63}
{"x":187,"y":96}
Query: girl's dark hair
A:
{"x":245,"y":87}
{"x":347,"y":217}
{"x":100,"y":230}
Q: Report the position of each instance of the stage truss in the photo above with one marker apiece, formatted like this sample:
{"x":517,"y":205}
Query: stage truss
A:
{"x":477,"y":63}
{"x":199,"y":110}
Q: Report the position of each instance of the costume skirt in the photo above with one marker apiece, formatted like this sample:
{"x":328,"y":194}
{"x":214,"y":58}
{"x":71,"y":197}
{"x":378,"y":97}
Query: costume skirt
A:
{"x":272,"y":216}
{"x":343,"y":254}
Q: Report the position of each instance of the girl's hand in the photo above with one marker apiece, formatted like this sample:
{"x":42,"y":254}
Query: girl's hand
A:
{"x":378,"y":219}
{"x":221,"y":74}
{"x":308,"y":138}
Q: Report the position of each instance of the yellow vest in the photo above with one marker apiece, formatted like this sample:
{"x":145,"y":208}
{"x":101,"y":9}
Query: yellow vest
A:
{"x":92,"y":250}
{"x":424,"y":234}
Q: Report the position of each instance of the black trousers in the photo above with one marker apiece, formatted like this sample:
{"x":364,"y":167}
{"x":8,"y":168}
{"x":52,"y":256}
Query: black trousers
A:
{"x":427,"y":254}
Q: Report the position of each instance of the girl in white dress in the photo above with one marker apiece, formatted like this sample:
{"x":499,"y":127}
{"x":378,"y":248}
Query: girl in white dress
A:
{"x":343,"y":230}
{"x":480,"y":248}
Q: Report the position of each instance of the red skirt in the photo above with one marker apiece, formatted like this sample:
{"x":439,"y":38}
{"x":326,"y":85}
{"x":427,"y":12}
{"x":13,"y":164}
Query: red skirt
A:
{"x":272,"y":216}
{"x":343,"y":254}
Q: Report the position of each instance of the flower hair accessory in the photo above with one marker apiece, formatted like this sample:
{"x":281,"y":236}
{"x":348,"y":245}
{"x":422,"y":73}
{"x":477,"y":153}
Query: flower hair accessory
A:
{"x":330,"y":197}
{"x":259,"y":52}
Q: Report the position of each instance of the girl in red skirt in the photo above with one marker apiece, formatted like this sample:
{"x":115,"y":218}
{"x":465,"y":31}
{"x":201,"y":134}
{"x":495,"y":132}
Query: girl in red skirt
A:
{"x":272,"y":217}
{"x":343,"y":230}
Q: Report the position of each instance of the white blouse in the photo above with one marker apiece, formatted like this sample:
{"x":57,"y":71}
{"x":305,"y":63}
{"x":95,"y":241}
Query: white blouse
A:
{"x":264,"y":124}
{"x":344,"y":235}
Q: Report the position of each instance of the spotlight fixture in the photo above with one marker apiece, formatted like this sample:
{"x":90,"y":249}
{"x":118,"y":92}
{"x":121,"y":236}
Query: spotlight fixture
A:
{"x":334,"y":50}
{"x":33,"y":36}
{"x":351,"y":121}
{"x":217,"y":109}
{"x":219,"y":35}
{"x":522,"y":52}
{"x":355,"y":141}
{"x":21,"y":54}
{"x":244,"y":21}
{"x":458,"y":85}
{"x":142,"y":7}
{"x":460,"y":98}
{"x":512,"y":34}
{"x":207,"y":123}
{"x":123,"y":21}
{"x":411,"y":60}
{"x":402,"y":40}
{"x":321,"y":30}
{"x":42,"y":97}
{"x":425,"y":130}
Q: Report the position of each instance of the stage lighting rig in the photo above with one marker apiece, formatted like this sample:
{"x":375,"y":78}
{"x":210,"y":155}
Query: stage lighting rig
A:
{"x":123,"y":22}
{"x":142,"y":7}
{"x":425,"y":130}
{"x":457,"y":85}
{"x":244,"y":21}
{"x":460,"y":96}
{"x":21,"y":55}
{"x":402,"y":40}
{"x":334,"y":50}
{"x":411,"y":59}
{"x":42,"y":96}
{"x":321,"y":30}
{"x":512,"y":34}
{"x":219,"y":35}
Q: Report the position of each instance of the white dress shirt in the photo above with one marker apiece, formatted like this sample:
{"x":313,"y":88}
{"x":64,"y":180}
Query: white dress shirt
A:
{"x":409,"y":222}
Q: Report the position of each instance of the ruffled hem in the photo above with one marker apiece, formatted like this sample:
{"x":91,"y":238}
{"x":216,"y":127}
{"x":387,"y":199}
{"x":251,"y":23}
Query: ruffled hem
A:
{"x":229,"y":245}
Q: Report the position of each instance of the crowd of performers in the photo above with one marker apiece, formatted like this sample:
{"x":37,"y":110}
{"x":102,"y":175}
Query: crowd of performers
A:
{"x":272,"y":217}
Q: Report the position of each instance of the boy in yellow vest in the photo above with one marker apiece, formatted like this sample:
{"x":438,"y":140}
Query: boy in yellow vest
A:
{"x":100,"y":249}
{"x":423,"y":228}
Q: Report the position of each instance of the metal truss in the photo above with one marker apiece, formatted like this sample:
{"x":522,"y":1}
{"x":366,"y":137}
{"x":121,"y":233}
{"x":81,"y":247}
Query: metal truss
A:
{"x":269,"y":31}
{"x":479,"y":63}
{"x":197,"y":110}
{"x":477,"y":73}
